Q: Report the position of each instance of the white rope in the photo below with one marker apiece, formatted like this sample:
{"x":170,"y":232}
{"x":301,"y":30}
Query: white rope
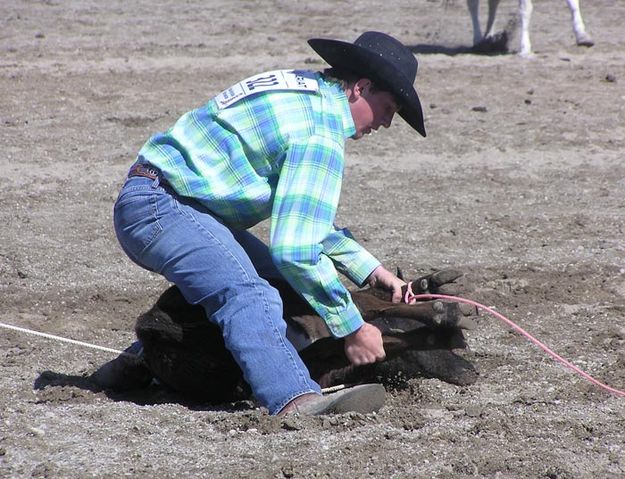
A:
{"x":333,"y":388}
{"x":59,"y":338}
{"x":110,"y":350}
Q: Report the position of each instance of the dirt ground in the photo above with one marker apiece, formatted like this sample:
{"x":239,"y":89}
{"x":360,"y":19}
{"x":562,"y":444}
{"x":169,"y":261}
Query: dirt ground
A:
{"x":520,"y":183}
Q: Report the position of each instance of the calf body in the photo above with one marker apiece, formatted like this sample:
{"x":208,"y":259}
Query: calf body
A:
{"x":186,"y":352}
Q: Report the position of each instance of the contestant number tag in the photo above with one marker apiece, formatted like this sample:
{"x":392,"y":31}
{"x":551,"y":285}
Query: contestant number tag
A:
{"x":275,"y":80}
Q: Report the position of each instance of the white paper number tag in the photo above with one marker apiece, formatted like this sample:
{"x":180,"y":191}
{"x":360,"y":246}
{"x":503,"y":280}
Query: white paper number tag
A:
{"x":275,"y":80}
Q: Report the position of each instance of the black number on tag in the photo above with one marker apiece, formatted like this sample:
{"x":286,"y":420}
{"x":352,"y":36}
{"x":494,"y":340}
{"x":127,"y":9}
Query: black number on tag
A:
{"x":260,"y":82}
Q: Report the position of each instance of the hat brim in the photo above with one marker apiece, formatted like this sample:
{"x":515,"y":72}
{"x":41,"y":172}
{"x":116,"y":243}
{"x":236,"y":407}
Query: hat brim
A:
{"x":362,"y":61}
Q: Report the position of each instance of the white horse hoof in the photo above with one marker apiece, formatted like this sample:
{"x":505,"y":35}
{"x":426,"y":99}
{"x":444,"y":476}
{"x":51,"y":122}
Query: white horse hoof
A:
{"x":527,"y":54}
{"x":584,"y":40}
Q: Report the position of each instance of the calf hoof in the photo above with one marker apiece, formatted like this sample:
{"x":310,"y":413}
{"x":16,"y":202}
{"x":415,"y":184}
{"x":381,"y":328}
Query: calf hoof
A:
{"x":452,"y":315}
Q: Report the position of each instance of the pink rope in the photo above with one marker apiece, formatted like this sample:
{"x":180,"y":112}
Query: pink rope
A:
{"x":411,"y":298}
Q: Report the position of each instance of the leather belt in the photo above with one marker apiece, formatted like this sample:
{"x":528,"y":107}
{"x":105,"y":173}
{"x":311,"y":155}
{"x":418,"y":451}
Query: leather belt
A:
{"x":147,"y":171}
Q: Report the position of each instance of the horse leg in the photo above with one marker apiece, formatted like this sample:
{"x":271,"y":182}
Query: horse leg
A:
{"x":474,"y":8}
{"x":581,"y":37}
{"x":525,"y":11}
{"x":492,"y":13}
{"x":490,"y":42}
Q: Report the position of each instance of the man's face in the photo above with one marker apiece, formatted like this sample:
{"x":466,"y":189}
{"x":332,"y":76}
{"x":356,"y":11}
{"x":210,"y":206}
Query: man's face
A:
{"x":370,"y":107}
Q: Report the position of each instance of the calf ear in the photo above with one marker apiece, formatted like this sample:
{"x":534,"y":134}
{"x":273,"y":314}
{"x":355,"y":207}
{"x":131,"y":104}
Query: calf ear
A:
{"x":433,"y":282}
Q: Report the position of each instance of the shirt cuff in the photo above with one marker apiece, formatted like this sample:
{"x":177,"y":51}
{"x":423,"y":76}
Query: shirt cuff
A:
{"x":349,"y":257}
{"x":358,"y":272}
{"x":344,"y":322}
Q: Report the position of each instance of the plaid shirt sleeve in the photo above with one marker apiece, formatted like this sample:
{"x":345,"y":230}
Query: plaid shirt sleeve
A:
{"x":304,"y":244}
{"x":348,"y":256}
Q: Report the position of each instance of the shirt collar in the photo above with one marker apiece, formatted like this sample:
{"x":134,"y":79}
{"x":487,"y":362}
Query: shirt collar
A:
{"x":338,"y":95}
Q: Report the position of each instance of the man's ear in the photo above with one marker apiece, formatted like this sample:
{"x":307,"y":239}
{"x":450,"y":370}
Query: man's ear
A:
{"x":355,"y":90}
{"x":362,"y":85}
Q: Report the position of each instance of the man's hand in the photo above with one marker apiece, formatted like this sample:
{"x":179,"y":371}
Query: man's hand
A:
{"x":381,"y":278}
{"x":364,"y":346}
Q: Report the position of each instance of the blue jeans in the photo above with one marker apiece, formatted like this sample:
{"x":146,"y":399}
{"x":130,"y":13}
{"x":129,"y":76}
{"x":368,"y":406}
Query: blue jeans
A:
{"x":219,"y":269}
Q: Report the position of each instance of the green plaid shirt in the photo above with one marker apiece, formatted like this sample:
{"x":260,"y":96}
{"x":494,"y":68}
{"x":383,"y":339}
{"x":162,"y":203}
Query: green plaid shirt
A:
{"x":277,"y":154}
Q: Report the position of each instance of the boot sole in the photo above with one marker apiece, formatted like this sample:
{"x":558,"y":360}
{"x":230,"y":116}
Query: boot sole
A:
{"x":364,"y":398}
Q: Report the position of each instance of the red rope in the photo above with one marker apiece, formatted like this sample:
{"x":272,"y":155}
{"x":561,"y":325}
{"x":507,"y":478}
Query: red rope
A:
{"x":411,"y":298}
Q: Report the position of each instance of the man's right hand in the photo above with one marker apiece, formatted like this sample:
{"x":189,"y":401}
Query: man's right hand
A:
{"x":364,"y":346}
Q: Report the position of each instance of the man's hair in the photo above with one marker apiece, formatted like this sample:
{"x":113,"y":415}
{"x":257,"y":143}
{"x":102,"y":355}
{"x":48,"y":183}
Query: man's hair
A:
{"x":342,"y":76}
{"x":345,"y":78}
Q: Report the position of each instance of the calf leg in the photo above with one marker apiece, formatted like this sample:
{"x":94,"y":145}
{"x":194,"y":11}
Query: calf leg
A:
{"x":432,"y":313}
{"x":441,"y":364}
{"x":327,"y":363}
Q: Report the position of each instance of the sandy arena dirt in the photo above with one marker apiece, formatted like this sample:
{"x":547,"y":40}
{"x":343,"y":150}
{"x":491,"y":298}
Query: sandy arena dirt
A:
{"x":520,"y":183}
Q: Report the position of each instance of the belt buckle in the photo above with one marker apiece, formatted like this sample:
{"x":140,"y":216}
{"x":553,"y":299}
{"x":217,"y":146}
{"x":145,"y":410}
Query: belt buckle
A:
{"x":143,"y":170}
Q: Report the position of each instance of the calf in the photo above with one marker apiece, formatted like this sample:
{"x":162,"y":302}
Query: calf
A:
{"x":186,"y":352}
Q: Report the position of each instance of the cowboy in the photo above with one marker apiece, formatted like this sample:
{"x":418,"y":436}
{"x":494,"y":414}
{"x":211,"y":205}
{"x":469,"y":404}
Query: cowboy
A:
{"x":270,"y":146}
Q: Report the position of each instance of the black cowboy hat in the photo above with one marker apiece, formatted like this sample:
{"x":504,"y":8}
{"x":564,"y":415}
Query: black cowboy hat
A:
{"x":385,"y":61}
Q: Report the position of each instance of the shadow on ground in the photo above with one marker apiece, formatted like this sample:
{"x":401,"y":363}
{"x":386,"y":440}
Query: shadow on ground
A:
{"x":53,"y":383}
{"x":495,"y":45}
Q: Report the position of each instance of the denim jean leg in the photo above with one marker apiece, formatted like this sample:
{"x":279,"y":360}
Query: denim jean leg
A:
{"x":258,"y":253}
{"x":261,"y":258}
{"x":201,"y":256}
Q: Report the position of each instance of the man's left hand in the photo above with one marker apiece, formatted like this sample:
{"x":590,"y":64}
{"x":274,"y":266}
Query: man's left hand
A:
{"x":382,"y":278}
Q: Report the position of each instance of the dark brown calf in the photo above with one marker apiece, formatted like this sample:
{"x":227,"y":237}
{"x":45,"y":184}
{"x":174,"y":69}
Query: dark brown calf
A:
{"x":186,"y":352}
